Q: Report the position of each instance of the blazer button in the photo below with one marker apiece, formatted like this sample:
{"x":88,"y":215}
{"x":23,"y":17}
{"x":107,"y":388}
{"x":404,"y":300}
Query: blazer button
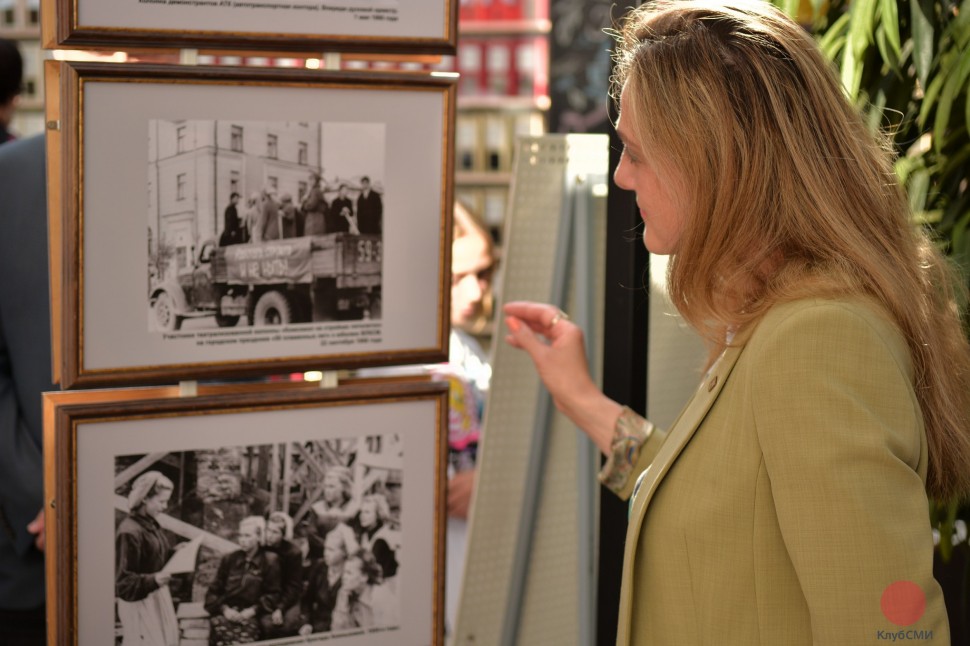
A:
{"x":712,"y":383}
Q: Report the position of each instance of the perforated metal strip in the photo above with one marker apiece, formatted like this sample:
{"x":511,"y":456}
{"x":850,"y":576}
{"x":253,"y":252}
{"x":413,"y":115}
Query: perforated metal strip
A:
{"x":528,"y":576}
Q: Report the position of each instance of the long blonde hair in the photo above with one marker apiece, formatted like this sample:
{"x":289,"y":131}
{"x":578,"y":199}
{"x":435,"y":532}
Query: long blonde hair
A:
{"x":789,"y":195}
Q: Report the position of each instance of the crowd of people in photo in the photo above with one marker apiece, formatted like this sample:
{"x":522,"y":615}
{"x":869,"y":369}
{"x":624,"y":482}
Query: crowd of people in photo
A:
{"x":336,"y":570}
{"x":267,"y":216}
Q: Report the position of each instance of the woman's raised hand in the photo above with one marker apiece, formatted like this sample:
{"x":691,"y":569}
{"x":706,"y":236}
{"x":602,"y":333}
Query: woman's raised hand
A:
{"x":555,"y":344}
{"x":557,"y":349}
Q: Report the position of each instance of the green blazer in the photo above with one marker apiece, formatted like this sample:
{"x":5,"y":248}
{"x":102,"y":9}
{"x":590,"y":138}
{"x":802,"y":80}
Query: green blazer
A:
{"x":788,"y":494}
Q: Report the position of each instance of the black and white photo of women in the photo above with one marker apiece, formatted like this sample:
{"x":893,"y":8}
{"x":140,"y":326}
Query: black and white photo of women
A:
{"x":145,"y":607}
{"x":246,"y":588}
{"x":284,"y":621}
{"x":363,"y":600}
{"x":324,"y":581}
{"x":249,"y":545}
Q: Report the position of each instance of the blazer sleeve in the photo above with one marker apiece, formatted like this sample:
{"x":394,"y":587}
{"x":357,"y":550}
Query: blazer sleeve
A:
{"x":844,"y":448}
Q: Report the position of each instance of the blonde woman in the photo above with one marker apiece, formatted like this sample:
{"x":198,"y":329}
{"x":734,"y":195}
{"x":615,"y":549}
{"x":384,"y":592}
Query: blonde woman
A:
{"x":337,"y":504}
{"x":246,"y":588}
{"x":788,"y":503}
{"x":375,"y":534}
{"x":362,"y":602}
{"x":323,"y":583}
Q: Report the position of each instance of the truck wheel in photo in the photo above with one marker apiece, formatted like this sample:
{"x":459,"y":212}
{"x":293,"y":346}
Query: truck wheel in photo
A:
{"x":273,"y":308}
{"x":166,"y":317}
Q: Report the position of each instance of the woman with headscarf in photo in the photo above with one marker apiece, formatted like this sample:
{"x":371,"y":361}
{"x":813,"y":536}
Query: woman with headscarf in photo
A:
{"x":145,"y":606}
{"x":323,"y":584}
{"x":246,"y":587}
{"x":337,"y":504}
{"x":362,"y":601}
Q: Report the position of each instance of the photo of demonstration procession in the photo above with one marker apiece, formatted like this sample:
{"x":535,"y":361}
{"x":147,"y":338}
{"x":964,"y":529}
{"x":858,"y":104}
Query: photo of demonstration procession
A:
{"x":258,"y":543}
{"x":264,"y":223}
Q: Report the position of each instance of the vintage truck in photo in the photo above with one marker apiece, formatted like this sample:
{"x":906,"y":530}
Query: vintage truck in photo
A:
{"x":293,"y":280}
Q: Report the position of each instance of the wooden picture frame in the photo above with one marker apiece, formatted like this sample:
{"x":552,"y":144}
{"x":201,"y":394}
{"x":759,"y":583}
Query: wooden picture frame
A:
{"x":415,"y":27}
{"x":176,"y":144}
{"x":233,"y":455}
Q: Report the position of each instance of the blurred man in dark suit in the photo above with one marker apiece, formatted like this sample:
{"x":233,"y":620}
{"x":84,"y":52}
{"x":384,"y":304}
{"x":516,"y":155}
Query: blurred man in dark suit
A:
{"x":25,"y":372}
{"x":370,"y":208}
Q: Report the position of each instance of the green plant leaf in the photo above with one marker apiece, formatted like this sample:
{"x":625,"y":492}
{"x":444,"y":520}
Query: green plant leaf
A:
{"x":954,"y":162}
{"x":885,"y":50}
{"x":861,"y":24}
{"x":917,"y":187}
{"x":929,"y":99}
{"x":817,"y":7}
{"x":906,"y":165}
{"x":921,"y":12}
{"x":956,"y":81}
{"x":890,"y":25}
{"x":833,"y":40}
{"x":966,"y":110}
{"x":790,"y":7}
{"x":927,"y":217}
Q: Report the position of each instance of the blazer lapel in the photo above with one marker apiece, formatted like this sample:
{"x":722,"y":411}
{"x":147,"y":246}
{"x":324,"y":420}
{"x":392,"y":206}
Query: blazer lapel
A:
{"x":677,"y":438}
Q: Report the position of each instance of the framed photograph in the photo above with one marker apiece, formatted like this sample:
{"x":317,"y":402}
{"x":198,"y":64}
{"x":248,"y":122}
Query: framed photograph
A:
{"x":301,"y":516}
{"x":414,"y":27}
{"x":222,"y":222}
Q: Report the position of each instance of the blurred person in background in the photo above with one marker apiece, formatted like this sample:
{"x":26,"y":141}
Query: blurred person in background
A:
{"x":25,"y":362}
{"x":11,"y":81}
{"x":468,"y":373}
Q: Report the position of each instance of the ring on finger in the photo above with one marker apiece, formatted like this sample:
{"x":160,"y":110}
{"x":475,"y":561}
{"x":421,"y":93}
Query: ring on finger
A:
{"x":560,"y":316}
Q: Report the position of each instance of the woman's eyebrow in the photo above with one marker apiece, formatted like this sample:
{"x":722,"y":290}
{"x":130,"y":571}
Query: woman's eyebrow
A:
{"x":627,"y":142}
